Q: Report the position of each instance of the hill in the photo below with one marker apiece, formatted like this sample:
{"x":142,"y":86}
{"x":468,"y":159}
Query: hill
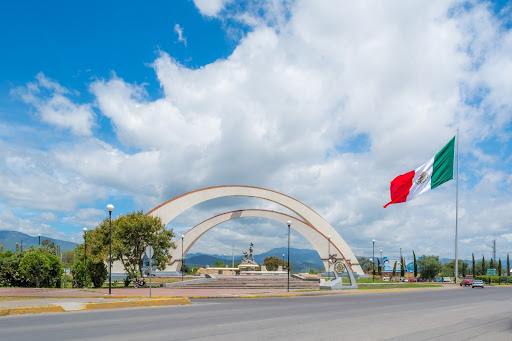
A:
{"x":9,"y":239}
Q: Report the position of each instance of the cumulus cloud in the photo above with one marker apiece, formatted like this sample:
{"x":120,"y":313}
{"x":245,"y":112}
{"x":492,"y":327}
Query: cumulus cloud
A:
{"x":210,"y":7}
{"x":326,"y":103}
{"x":51,"y":101}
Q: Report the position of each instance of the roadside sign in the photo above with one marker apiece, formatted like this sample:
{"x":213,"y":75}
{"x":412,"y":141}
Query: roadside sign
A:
{"x":491,"y":272}
{"x":149,"y":251}
{"x":149,"y":254}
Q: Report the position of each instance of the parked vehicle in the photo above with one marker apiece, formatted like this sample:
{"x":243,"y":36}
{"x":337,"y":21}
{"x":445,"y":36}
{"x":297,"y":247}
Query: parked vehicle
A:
{"x":438,"y":279}
{"x":139,"y":283}
{"x":466,"y":282}
{"x":477,"y":283}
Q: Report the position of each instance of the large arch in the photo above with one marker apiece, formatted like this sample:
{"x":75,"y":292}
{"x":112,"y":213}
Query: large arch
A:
{"x":318,"y":240}
{"x":172,"y":208}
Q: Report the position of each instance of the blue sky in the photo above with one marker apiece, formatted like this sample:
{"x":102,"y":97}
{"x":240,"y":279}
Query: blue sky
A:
{"x":134,"y":104}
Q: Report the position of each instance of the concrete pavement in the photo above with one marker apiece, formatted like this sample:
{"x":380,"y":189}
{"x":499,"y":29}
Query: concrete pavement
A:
{"x":15,"y":301}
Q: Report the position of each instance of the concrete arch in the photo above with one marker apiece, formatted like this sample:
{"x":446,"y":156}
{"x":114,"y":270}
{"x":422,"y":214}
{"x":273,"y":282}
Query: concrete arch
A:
{"x":319,"y":241}
{"x":172,"y":208}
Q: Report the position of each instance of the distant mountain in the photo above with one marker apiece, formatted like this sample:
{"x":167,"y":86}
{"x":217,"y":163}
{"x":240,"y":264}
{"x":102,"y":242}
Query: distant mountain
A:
{"x":9,"y":239}
{"x":302,"y":259}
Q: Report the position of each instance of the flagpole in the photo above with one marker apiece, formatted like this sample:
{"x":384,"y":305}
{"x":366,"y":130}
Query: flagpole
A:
{"x":457,"y":211}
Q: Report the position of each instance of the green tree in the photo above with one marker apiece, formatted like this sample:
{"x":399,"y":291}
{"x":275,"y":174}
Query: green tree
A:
{"x":41,"y":269}
{"x":430,"y":266}
{"x":394,"y":270}
{"x":272,"y":263}
{"x":49,"y":245}
{"x":68,"y":257}
{"x":1,"y":248}
{"x":379,"y":267}
{"x":474,"y":264}
{"x":402,"y":267}
{"x":491,"y":264}
{"x":96,"y":271}
{"x":499,"y":268}
{"x":9,"y":266}
{"x":219,"y":264}
{"x":131,"y":235}
{"x":508,"y":266}
{"x":415,"y":264}
{"x":483,"y":265}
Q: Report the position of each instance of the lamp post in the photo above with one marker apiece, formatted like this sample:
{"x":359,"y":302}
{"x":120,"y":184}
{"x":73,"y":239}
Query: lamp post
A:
{"x":283,"y":261}
{"x":225,"y":265}
{"x":381,"y":263}
{"x":85,"y":257}
{"x":288,"y":223}
{"x":373,"y":264}
{"x":110,"y":208}
{"x":182,"y":259}
{"x":328,"y":256}
{"x":39,"y":236}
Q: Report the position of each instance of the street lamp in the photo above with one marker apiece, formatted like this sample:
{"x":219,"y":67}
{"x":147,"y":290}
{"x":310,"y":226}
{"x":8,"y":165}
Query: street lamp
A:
{"x":85,"y":257}
{"x":288,"y":223}
{"x":39,"y":236}
{"x":225,"y":265}
{"x":373,"y":264}
{"x":283,"y":261}
{"x":328,"y":255}
{"x":381,"y":263}
{"x":182,"y":259}
{"x":110,"y":208}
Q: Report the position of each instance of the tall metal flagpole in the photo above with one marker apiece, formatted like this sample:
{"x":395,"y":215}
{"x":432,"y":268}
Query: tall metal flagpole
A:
{"x":457,"y":211}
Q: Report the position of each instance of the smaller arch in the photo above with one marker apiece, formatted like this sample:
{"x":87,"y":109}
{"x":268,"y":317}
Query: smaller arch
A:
{"x":318,"y":240}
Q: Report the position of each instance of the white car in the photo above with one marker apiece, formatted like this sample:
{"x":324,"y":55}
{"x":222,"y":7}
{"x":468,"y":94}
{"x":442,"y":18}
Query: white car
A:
{"x":478,"y":283}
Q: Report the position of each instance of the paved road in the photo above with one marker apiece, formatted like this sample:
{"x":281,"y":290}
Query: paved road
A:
{"x":477,"y":314}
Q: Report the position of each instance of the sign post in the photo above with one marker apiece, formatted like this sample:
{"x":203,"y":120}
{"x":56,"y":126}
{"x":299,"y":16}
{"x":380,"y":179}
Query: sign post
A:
{"x":491,"y":272}
{"x":149,"y":254}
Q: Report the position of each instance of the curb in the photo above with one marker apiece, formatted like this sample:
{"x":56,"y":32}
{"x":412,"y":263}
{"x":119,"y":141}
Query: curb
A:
{"x":97,"y":306}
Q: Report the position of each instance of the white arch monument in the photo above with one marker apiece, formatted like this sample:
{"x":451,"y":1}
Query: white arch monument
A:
{"x":310,"y":219}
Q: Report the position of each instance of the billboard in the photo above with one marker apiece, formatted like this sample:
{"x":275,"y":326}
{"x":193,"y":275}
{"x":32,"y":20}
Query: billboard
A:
{"x":389,"y":263}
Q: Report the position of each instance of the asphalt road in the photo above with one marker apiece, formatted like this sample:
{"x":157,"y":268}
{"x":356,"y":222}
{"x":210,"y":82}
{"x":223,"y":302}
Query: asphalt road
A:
{"x":454,"y":314}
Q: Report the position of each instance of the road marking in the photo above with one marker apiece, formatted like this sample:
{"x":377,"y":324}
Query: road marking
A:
{"x":253,"y":321}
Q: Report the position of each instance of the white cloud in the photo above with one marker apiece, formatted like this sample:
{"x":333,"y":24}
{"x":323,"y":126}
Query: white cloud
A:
{"x":179,"y":31}
{"x":51,"y":101}
{"x":285,"y":111}
{"x":210,"y":7}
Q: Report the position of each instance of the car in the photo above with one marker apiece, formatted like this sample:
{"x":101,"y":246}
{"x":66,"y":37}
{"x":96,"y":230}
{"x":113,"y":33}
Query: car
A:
{"x":466,"y":282}
{"x":477,"y":283}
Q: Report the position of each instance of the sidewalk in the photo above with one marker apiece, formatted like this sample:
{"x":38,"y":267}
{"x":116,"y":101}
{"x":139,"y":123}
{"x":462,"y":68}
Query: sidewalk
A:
{"x":15,"y":301}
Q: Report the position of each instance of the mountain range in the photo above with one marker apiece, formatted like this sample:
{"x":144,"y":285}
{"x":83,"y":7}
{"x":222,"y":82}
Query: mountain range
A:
{"x":9,"y":239}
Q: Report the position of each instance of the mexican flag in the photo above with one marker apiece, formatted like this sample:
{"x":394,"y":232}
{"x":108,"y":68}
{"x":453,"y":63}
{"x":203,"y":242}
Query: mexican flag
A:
{"x":437,"y":171}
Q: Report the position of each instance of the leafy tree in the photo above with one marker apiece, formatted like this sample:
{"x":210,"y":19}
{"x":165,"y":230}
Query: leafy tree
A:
{"x":430,"y":266}
{"x":131,"y":235}
{"x":491,"y":264}
{"x":220,"y":264}
{"x":96,"y":271}
{"x":483,"y":265}
{"x":185,"y":269}
{"x":508,"y":266}
{"x":463,"y":268}
{"x":402,"y":267}
{"x":499,"y":268}
{"x":272,"y":263}
{"x":379,"y":268}
{"x":1,"y":249}
{"x":68,"y":257}
{"x":41,"y":269}
{"x":394,"y":270}
{"x":415,"y":264}
{"x":49,"y":245}
{"x":9,"y":265}
{"x":474,"y":264}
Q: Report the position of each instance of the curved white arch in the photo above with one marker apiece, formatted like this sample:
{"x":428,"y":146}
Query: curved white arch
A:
{"x":172,"y":208}
{"x":318,"y":240}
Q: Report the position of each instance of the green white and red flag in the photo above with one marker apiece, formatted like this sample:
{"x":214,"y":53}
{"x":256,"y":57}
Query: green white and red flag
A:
{"x":437,"y":171}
